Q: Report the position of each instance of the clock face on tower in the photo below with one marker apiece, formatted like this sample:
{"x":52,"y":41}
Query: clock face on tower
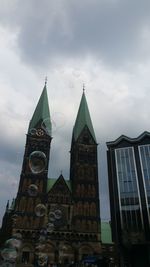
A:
{"x":39,"y":132}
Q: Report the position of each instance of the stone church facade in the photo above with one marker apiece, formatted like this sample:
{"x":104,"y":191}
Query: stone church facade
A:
{"x":58,"y":219}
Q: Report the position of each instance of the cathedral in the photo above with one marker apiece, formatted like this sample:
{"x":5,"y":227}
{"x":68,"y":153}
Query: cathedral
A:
{"x":57,"y":219}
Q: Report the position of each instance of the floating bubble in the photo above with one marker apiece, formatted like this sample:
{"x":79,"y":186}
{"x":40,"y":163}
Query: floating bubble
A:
{"x":37,"y":162}
{"x":58,"y":121}
{"x":46,"y":125}
{"x":6,"y":264}
{"x":40,"y":210}
{"x":13,"y":243}
{"x":42,"y":259}
{"x":52,"y":216}
{"x":58,"y":214}
{"x":32,"y":190}
{"x":50,"y":227}
{"x":9,"y":254}
{"x":32,"y":131}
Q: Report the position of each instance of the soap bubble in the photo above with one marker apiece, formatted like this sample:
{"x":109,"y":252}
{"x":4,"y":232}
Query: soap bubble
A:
{"x":58,"y":121}
{"x":9,"y":254}
{"x":32,"y":190}
{"x":6,"y":264}
{"x":58,"y":214}
{"x":40,"y":210}
{"x":32,"y":131}
{"x":50,"y":227}
{"x":46,"y":125}
{"x":13,"y":243}
{"x":42,"y":259}
{"x":37,"y":162}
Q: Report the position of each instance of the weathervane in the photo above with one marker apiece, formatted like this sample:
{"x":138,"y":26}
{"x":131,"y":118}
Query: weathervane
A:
{"x":83,"y":87}
{"x":45,"y":80}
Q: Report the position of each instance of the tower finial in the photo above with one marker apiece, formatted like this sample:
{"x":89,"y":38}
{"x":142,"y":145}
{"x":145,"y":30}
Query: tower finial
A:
{"x":83,"y":87}
{"x":45,"y":80}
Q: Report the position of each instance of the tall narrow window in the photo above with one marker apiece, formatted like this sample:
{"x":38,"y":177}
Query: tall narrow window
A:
{"x":25,"y":257}
{"x":144,"y":152}
{"x":128,"y":189}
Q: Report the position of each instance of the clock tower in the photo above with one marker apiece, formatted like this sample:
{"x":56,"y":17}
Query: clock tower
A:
{"x":31,"y":196}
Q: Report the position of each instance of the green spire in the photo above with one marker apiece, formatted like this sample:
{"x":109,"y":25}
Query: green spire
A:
{"x":41,"y":114}
{"x":83,"y":119}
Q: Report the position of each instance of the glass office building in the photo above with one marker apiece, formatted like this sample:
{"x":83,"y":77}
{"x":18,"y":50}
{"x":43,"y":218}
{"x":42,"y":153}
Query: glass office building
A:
{"x":129,"y":187}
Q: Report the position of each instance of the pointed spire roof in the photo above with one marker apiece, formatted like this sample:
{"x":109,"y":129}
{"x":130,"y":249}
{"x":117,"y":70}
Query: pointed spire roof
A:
{"x":83,"y":119}
{"x":7,"y":206}
{"x":41,"y":114}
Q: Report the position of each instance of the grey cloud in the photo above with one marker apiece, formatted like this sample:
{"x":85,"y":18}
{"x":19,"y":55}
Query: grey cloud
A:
{"x":108,"y":30}
{"x":10,"y":152}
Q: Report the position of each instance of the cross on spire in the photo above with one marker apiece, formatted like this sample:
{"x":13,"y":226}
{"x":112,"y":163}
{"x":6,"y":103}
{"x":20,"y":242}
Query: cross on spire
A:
{"x":83,"y":87}
{"x":45,"y":80}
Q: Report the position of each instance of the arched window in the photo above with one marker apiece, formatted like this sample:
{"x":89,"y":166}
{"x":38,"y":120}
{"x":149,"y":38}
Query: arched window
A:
{"x":41,"y":186}
{"x":92,"y":209}
{"x":93,"y":191}
{"x":37,"y":201}
{"x":94,"y":226}
{"x":30,"y":205}
{"x":83,"y":225}
{"x":78,"y":224}
{"x":22,"y":204}
{"x":89,"y":225}
{"x":26,"y":222}
{"x":82,"y":190}
{"x":87,"y":209}
{"x":78,"y":190}
{"x":89,"y":190}
{"x":24,"y":185}
{"x":79,"y":208}
{"x":75,"y":210}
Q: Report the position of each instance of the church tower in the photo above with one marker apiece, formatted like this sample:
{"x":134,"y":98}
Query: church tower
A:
{"x":31,"y":197}
{"x":84,"y":177}
{"x":57,"y":217}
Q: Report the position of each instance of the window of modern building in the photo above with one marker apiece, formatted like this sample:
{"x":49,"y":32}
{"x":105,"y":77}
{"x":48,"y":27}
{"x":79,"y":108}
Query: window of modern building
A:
{"x":128,"y":189}
{"x":144,"y":152}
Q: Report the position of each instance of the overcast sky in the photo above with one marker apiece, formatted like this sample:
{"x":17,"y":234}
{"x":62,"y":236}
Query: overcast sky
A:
{"x":104,"y":44}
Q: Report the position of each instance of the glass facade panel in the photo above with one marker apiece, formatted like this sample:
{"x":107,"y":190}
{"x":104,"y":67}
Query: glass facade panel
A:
{"x":130,"y":211}
{"x":144,"y":152}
